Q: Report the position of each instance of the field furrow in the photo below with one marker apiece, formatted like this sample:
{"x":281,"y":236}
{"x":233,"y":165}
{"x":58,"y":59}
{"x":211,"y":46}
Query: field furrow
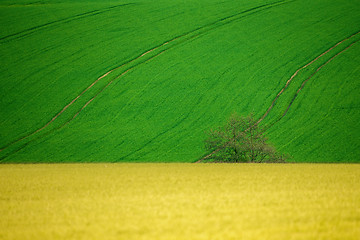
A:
{"x":31,"y":30}
{"x":307,"y":79}
{"x":139,"y":59}
{"x":144,"y":81}
{"x":318,"y":69}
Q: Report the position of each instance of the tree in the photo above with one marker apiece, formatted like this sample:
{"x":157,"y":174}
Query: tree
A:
{"x":240,"y":140}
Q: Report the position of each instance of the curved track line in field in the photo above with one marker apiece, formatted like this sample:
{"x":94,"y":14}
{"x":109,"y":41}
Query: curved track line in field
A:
{"x":229,"y":19}
{"x":318,"y":69}
{"x":82,"y":93}
{"x":64,"y":20}
{"x":122,"y":74}
{"x":298,"y":70}
{"x":58,"y":114}
{"x":178,"y":37}
{"x":302,"y":85}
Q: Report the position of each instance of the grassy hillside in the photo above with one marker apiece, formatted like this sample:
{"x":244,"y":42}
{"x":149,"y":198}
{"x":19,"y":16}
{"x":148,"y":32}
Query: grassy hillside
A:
{"x":142,"y":80}
{"x":324,"y":116}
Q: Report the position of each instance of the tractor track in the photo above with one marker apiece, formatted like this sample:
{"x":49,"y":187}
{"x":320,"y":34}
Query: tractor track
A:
{"x":304,"y":82}
{"x":301,"y":87}
{"x":31,"y":30}
{"x":174,"y":39}
{"x":301,"y":68}
{"x":198,"y":31}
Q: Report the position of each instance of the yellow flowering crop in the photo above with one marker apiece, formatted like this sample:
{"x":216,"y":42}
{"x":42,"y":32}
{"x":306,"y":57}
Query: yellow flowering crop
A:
{"x":180,"y":201}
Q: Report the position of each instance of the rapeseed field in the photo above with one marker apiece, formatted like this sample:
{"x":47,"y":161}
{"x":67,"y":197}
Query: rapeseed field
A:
{"x":180,"y":201}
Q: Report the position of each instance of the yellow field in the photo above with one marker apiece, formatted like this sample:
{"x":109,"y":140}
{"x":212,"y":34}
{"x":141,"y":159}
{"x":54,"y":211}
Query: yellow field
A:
{"x":180,"y":201}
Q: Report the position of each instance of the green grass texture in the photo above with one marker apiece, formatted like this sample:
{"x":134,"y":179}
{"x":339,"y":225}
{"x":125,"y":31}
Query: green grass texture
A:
{"x":142,"y":81}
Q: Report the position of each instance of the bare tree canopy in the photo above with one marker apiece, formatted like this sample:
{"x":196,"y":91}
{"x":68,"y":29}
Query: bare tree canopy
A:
{"x":240,"y":140}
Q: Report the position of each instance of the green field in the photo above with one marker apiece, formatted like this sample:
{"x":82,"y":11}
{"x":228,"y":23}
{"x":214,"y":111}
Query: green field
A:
{"x":180,"y":201}
{"x":126,"y":81}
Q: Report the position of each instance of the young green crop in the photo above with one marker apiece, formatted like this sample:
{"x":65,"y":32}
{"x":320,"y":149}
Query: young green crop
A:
{"x":179,"y":69}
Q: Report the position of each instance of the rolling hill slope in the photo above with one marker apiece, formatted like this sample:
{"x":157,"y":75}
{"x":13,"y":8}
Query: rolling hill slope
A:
{"x":93,"y":81}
